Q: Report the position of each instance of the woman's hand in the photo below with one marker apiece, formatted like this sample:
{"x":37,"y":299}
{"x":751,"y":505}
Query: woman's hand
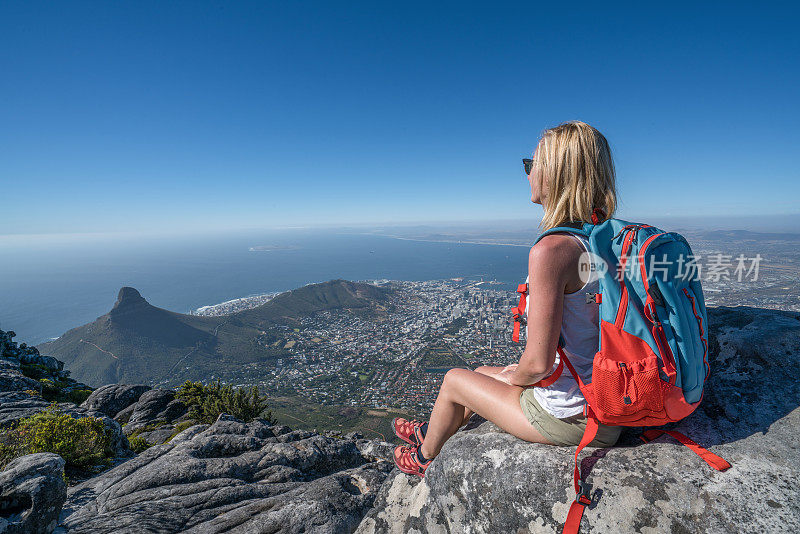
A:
{"x":511,"y":375}
{"x":505,"y":374}
{"x":525,"y":380}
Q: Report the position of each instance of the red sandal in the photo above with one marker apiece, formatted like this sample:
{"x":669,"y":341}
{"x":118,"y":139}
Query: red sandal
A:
{"x":405,"y":458}
{"x":412,"y":432}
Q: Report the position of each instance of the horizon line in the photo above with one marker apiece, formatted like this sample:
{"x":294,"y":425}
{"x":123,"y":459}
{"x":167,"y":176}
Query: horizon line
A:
{"x":372,"y":224}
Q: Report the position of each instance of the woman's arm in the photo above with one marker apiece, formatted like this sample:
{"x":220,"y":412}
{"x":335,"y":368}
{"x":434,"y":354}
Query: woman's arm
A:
{"x":551,"y":267}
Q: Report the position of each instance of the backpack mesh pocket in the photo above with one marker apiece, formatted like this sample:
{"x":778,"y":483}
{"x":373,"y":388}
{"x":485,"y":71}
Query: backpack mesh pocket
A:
{"x":627,"y":388}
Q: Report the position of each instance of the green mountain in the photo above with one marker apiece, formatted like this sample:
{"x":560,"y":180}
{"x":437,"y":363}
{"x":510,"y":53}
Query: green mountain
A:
{"x":137,"y":342}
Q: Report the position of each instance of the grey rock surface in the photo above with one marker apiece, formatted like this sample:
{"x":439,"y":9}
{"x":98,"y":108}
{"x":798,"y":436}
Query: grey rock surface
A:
{"x":31,"y":357}
{"x":15,"y":405}
{"x":32,"y":492}
{"x":123,"y":416}
{"x":113,"y":398}
{"x":155,"y":406}
{"x":158,"y":436}
{"x":233,"y":477}
{"x":485,"y":480}
{"x":11,"y":378}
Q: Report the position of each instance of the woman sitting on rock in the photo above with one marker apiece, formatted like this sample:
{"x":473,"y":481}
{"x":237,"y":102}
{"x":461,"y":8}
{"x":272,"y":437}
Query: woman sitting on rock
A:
{"x":572,"y":176}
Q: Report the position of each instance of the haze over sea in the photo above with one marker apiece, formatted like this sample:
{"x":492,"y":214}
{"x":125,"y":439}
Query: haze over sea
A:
{"x":50,"y":284}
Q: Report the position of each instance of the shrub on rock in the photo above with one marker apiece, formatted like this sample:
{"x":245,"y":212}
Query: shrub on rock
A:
{"x":81,"y":442}
{"x":207,"y":402}
{"x":139,"y":444}
{"x":180,"y":427}
{"x":78,"y":396}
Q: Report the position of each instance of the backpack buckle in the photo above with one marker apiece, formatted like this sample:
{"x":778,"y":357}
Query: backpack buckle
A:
{"x":597,"y":298}
{"x":518,"y":318}
{"x":582,"y":496}
{"x":655,"y":294}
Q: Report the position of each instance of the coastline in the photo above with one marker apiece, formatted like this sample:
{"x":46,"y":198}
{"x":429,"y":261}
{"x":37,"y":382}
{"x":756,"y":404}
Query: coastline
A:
{"x":457,"y":242}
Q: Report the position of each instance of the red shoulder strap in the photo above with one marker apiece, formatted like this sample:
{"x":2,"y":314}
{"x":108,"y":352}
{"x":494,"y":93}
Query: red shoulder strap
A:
{"x":573,"y":522}
{"x":519,"y":311}
{"x":710,"y":458}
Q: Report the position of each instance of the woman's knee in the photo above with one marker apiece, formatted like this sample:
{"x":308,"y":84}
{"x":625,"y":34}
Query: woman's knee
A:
{"x":455,"y":377}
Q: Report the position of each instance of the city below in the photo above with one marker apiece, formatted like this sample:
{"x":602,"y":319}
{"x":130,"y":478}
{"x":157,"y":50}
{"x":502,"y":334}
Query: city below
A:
{"x":396,"y":360}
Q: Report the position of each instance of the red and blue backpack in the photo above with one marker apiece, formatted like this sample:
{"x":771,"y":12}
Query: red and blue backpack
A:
{"x":652,"y":356}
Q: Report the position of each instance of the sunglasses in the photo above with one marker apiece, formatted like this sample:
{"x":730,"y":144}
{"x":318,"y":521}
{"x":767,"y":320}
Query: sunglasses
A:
{"x":528,"y":164}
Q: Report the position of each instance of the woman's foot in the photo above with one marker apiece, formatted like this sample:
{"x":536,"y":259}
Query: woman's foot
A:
{"x":412,"y":432}
{"x":408,"y":459}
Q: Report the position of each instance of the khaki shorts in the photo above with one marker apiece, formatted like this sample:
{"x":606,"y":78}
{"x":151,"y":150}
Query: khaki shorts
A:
{"x":567,"y":431}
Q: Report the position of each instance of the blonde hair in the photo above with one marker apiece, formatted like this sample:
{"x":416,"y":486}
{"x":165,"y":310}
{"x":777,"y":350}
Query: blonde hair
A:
{"x":574,"y":161}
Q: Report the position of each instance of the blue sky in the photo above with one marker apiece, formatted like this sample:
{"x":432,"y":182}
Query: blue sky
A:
{"x":190,"y":116}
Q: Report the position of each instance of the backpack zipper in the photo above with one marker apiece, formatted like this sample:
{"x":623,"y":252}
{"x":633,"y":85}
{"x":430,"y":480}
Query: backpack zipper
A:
{"x":667,"y":358}
{"x":702,"y":331}
{"x":624,"y":370}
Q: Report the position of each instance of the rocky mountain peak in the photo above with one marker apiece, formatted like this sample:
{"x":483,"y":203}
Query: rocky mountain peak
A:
{"x":127,"y":296}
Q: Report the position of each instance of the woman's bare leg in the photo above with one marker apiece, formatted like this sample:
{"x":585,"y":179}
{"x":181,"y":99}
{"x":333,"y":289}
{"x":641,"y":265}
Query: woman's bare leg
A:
{"x":491,"y":399}
{"x":487,"y":370}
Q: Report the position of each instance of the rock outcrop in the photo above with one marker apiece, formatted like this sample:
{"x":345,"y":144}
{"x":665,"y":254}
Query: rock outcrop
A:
{"x":155,"y":406}
{"x":154,"y":416}
{"x":32,"y":491}
{"x":11,"y":354}
{"x":12,"y":379}
{"x":234,"y":477}
{"x":22,"y":368}
{"x":150,"y":414}
{"x":113,"y":398}
{"x":485,"y":480}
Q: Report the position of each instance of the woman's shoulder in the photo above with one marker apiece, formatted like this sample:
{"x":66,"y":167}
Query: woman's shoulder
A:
{"x":556,"y":256}
{"x":557,"y":247}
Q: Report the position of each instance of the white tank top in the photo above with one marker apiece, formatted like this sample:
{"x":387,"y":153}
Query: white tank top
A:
{"x":580,"y":328}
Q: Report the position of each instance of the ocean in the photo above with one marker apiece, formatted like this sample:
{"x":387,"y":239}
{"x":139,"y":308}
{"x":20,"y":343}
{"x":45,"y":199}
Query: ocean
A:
{"x":50,"y":284}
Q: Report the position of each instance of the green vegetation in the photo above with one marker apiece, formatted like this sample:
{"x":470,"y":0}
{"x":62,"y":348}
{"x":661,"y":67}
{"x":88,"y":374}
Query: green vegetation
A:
{"x":441,"y":357}
{"x":180,"y":427}
{"x":77,"y":396}
{"x":207,"y":402}
{"x":149,"y":427}
{"x":455,"y":327}
{"x":146,"y":428}
{"x":55,"y":391}
{"x":139,"y":444}
{"x":50,"y":389}
{"x":82,"y":443}
{"x":34,"y":370}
